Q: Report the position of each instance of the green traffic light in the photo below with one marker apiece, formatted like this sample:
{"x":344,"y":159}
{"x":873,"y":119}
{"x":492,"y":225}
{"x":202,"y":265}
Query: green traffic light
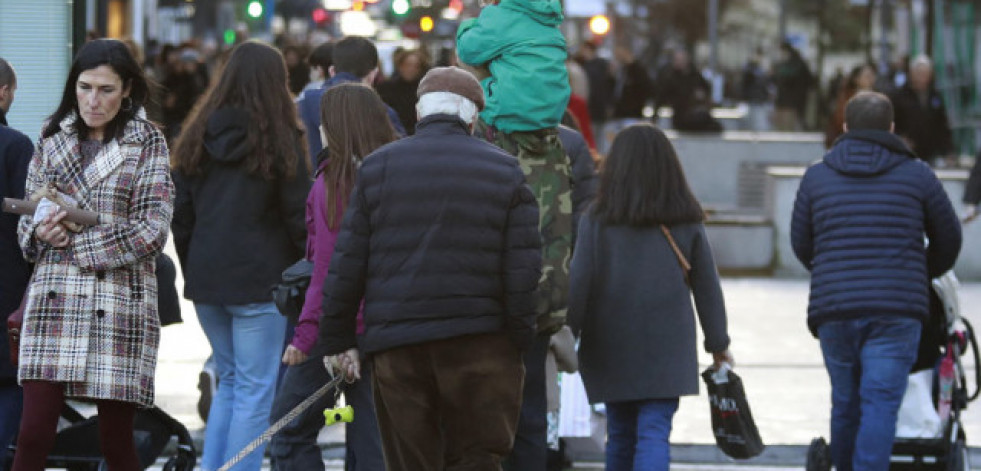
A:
{"x":255,"y":9}
{"x":400,"y":7}
{"x":229,"y":37}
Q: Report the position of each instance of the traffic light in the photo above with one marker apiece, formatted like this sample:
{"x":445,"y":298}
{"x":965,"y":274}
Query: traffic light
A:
{"x":400,"y":7}
{"x":320,"y":16}
{"x":599,"y":25}
{"x":254,"y":9}
{"x":426,"y":24}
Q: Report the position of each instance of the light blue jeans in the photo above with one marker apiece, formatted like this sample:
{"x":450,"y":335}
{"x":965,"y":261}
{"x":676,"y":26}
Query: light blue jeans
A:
{"x":868,"y":360}
{"x":247,"y":344}
{"x":638,"y":434}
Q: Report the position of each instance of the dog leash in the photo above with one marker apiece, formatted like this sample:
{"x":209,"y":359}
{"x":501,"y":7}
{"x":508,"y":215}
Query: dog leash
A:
{"x":276,"y":427}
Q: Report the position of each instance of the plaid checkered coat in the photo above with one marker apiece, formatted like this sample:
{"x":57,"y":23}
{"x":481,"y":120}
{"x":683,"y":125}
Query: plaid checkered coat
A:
{"x":91,"y":318}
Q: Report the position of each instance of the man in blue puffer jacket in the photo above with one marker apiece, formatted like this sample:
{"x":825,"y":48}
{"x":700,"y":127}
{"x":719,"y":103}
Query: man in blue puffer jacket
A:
{"x":859,"y":224}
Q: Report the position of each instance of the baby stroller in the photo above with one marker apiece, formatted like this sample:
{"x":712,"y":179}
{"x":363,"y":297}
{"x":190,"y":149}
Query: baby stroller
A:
{"x":76,"y":446}
{"x":946,"y":337}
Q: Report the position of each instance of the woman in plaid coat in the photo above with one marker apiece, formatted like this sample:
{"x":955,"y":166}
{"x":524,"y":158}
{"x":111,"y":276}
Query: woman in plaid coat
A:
{"x":90,"y":328}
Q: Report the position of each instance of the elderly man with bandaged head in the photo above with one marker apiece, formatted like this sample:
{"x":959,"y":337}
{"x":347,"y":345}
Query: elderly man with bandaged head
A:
{"x":440,"y":242}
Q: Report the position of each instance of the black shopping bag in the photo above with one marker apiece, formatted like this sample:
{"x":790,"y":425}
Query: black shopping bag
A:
{"x":732,"y":422}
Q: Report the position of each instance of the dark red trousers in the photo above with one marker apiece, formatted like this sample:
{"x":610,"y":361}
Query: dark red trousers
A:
{"x":43,"y":402}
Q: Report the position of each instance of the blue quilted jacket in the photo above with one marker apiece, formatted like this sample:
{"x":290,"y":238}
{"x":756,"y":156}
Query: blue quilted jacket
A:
{"x":859,"y":224}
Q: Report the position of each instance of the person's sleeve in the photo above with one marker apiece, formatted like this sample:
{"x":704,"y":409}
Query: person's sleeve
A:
{"x":972,"y":189}
{"x":709,"y":301}
{"x":18,"y":159}
{"x":945,"y":137}
{"x":182,"y":225}
{"x":322,"y":247}
{"x":943,"y":228}
{"x":901,"y":128}
{"x":345,"y":283}
{"x":477,"y":43}
{"x":522,"y":265}
{"x":292,"y":204}
{"x":584,"y":179}
{"x":25,"y":227}
{"x":581,"y":276}
{"x":143,"y":234}
{"x":801,"y":228}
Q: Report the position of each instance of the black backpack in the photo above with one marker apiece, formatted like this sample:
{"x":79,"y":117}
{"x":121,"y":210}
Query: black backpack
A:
{"x":290,"y":293}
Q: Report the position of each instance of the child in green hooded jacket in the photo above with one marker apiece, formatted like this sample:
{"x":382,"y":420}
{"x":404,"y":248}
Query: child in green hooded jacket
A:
{"x":519,"y":43}
{"x":526,"y":93}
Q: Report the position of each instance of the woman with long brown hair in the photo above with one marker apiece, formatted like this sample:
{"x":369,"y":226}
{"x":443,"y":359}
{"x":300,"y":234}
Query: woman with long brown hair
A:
{"x":242,"y":176}
{"x":354,"y":122}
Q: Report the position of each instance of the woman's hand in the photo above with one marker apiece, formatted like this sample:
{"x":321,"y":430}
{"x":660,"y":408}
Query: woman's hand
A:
{"x":293,"y":356}
{"x":51,"y":231}
{"x":722,"y":357}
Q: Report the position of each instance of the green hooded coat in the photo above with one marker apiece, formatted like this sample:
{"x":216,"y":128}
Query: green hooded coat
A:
{"x":520,"y":44}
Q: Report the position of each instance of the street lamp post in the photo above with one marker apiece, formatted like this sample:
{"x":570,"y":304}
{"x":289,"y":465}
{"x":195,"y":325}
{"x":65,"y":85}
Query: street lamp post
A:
{"x":885,"y":11}
{"x":713,"y":27}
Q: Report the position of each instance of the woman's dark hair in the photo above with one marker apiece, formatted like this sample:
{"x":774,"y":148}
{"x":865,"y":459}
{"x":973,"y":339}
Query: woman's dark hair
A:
{"x":356,"y":123}
{"x":254,"y":80}
{"x":850,"y":86}
{"x":95,"y":53}
{"x":642,"y":182}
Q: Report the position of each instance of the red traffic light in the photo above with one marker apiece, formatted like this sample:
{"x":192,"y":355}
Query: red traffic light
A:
{"x":320,"y":16}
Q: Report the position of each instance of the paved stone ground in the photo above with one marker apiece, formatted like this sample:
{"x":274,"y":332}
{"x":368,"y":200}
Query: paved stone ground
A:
{"x":779,"y":361}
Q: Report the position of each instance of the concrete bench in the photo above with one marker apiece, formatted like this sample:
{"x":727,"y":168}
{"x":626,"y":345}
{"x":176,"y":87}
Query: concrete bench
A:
{"x":729,"y":170}
{"x":742,"y":244}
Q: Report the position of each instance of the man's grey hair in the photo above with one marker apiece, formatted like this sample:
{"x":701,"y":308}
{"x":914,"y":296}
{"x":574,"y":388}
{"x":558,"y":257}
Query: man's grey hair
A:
{"x":921,"y":61}
{"x":447,"y":103}
{"x":7,"y":76}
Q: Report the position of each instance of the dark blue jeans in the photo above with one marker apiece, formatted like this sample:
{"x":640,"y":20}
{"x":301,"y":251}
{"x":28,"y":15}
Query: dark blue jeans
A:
{"x":637,"y":434}
{"x":295,"y":446}
{"x":868,"y":360}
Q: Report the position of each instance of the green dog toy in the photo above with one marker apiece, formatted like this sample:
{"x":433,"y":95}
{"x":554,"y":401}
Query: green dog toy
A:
{"x":339,"y":414}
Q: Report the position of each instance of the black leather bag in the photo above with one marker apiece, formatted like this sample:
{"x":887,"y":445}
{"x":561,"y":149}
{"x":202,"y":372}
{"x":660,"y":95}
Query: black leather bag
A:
{"x":290,"y":293}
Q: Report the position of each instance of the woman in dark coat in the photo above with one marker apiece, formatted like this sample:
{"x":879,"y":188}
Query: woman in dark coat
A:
{"x":629,"y":301}
{"x":242,"y":177}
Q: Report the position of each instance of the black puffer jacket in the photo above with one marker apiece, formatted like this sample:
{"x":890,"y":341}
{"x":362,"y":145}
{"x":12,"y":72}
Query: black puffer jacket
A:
{"x":858,"y":225}
{"x":441,"y":240}
{"x":235,"y":232}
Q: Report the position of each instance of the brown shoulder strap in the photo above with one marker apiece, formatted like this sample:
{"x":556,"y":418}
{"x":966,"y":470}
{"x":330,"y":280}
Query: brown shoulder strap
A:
{"x":685,"y":266}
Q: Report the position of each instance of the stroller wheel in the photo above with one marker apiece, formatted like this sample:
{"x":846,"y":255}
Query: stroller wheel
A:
{"x":959,"y":458}
{"x":179,"y":463}
{"x":818,"y":456}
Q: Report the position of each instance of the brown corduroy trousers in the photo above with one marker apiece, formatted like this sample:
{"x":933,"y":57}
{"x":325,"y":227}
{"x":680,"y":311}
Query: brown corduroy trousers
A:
{"x":449,"y":404}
